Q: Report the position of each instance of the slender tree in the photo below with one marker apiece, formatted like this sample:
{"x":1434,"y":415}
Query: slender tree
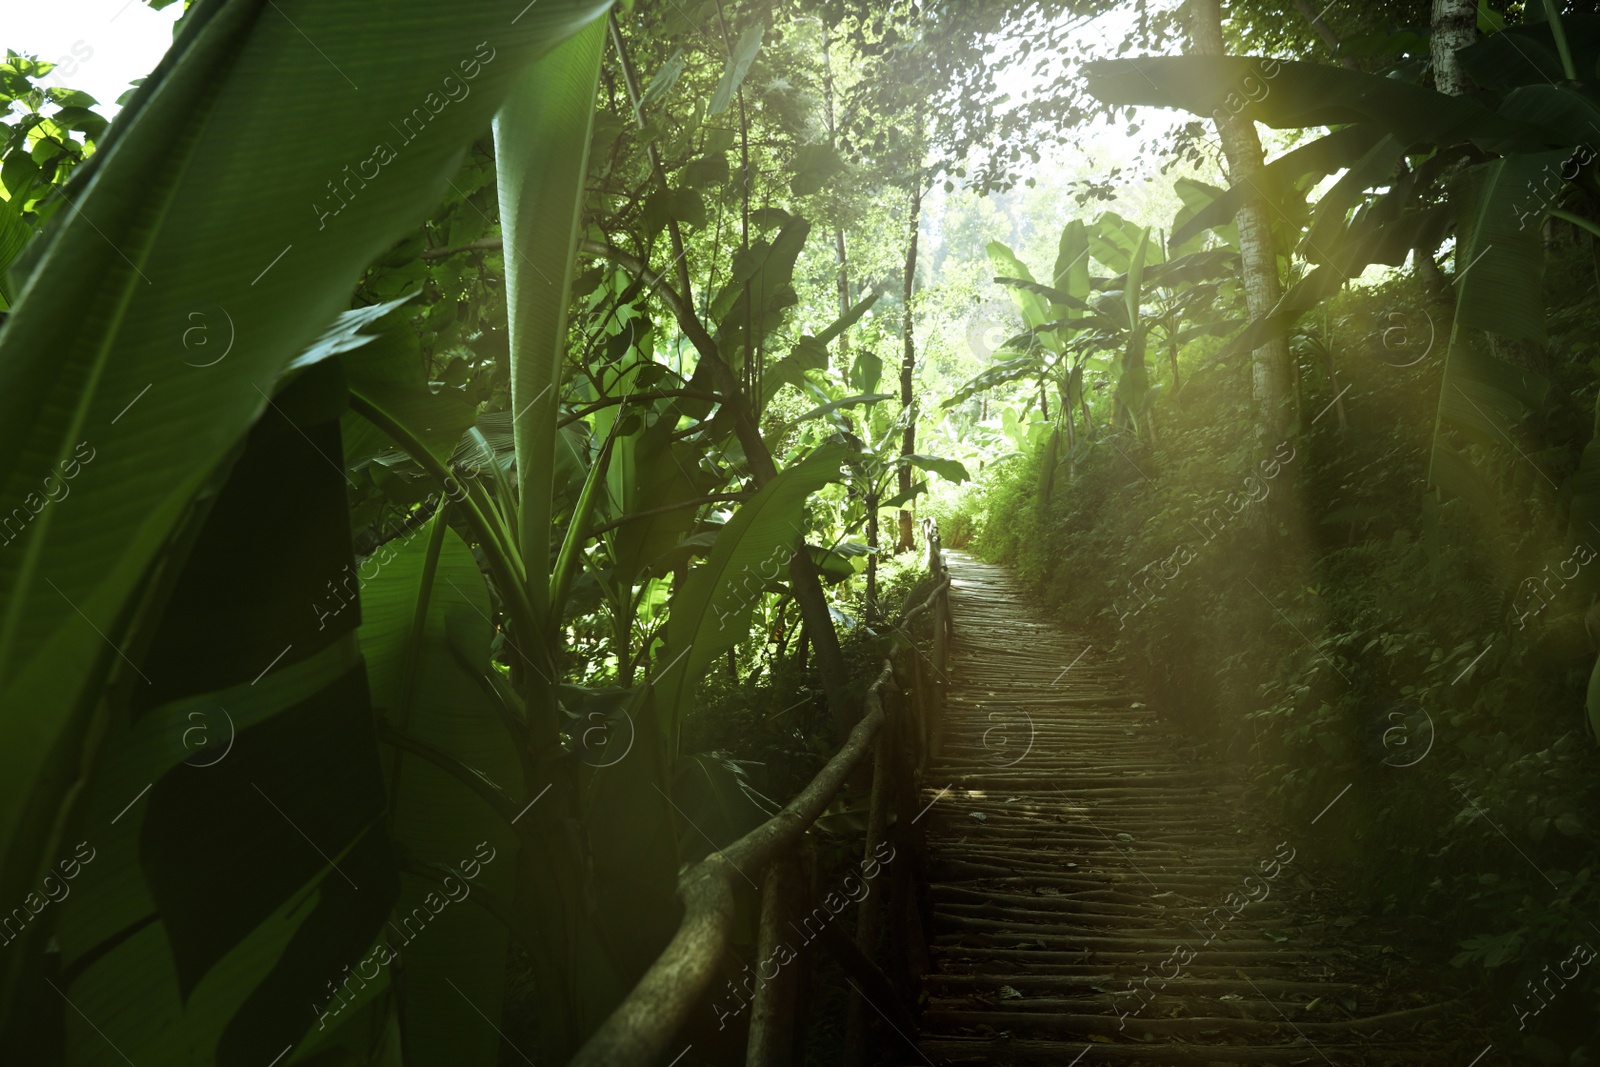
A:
{"x":1270,"y":379}
{"x":1455,"y":25}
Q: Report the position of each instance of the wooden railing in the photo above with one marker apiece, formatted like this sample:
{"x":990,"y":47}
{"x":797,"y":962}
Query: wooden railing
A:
{"x":898,"y":728}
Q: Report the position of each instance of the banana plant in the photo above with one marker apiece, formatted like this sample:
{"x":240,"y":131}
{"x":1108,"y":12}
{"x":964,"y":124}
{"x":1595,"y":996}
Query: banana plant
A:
{"x":106,"y":593}
{"x":1507,"y":159}
{"x":1051,"y":313}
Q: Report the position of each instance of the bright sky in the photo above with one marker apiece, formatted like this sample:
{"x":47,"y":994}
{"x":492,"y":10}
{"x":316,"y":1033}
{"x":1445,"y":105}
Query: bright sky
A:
{"x":115,"y":40}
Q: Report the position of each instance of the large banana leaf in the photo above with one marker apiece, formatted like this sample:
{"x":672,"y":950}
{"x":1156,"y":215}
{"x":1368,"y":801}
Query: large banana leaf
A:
{"x":239,"y":868}
{"x":1071,"y":275}
{"x":1328,"y":220}
{"x":1339,"y":149}
{"x":1527,"y":54}
{"x":1499,"y":252}
{"x":759,"y":292}
{"x":1114,"y":240}
{"x":425,"y":636}
{"x":202,"y":200}
{"x":1030,"y":305}
{"x":997,"y":375}
{"x":711,"y":610}
{"x":1307,"y":94}
{"x":1199,"y":197}
{"x":542,"y":141}
{"x":1501,"y":264}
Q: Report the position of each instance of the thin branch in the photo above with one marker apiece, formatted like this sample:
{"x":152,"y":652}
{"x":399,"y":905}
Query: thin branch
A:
{"x":482,"y":244}
{"x":660,"y":394}
{"x":687,"y":320}
{"x":714,"y":498}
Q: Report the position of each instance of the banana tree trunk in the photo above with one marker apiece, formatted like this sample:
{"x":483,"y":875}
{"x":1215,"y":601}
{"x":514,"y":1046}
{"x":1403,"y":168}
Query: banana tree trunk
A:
{"x":547,"y":118}
{"x":1270,"y":380}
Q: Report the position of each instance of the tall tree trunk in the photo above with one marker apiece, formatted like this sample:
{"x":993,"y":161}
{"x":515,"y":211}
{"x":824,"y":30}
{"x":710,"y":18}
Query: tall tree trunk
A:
{"x":908,"y":363}
{"x":872,"y":543}
{"x":1455,"y":25}
{"x":1270,"y":380}
{"x":838,"y":230}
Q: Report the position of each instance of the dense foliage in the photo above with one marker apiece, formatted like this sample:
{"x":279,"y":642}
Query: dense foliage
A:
{"x":1387,"y":607}
{"x":492,"y":463}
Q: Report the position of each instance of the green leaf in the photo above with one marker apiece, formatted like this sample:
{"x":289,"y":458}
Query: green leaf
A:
{"x":239,"y":666}
{"x":814,"y":166}
{"x":833,"y":567}
{"x":835,"y":405}
{"x":1114,"y":239}
{"x":769,"y":269}
{"x":1133,"y":286}
{"x":1061,"y":297}
{"x":808,"y":354}
{"x":950,"y":470}
{"x":997,"y":375}
{"x":425,"y":636}
{"x":1005,"y":263}
{"x":1342,"y":148}
{"x":866,"y":370}
{"x":1197,"y":197}
{"x":1288,"y":95}
{"x":664,"y":205}
{"x":1499,"y":248}
{"x":900,"y":500}
{"x":192,"y":197}
{"x":744,"y":54}
{"x":664,"y":80}
{"x":1376,"y":167}
{"x":709,"y":169}
{"x":70,"y":98}
{"x":14,"y":237}
{"x":711,"y":610}
{"x":542,"y":137}
{"x":1071,"y":275}
{"x":847,"y":320}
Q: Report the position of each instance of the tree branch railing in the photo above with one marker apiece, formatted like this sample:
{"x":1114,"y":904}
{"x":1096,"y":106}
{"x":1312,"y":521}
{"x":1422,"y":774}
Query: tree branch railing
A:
{"x":897,"y":728}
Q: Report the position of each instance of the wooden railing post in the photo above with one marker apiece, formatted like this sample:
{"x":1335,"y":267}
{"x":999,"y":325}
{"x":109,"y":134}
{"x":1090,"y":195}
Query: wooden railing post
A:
{"x":869,"y":919}
{"x":772,"y":1016}
{"x":901,"y":728}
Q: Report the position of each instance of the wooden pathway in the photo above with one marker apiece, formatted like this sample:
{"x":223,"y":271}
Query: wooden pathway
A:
{"x":1098,"y":896}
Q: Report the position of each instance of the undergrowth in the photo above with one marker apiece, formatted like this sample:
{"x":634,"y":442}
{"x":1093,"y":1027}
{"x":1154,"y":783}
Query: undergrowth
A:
{"x":1313,"y":610}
